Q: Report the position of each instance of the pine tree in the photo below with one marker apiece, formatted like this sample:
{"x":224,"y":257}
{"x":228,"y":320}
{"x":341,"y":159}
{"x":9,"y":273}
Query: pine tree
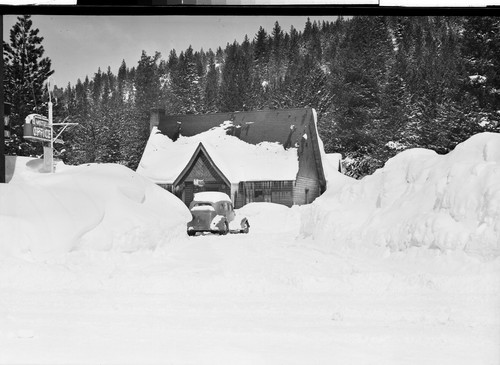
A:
{"x":481,"y":51}
{"x":147,"y":97}
{"x":236,"y":78}
{"x":246,"y":74}
{"x":230,"y":98}
{"x":147,"y":84}
{"x":26,"y":71}
{"x":211,"y":86}
{"x":277,"y":64}
{"x":359,"y":78}
{"x":261,"y":46}
{"x":186,"y":84}
{"x":122,"y":77}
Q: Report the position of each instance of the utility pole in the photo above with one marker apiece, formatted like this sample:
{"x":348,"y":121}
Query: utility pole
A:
{"x":2,"y":101}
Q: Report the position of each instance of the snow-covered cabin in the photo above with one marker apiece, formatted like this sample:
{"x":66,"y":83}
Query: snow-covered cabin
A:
{"x":269,"y":155}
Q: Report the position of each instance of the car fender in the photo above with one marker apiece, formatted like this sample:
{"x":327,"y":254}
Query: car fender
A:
{"x":238,"y":223}
{"x":217,"y":223}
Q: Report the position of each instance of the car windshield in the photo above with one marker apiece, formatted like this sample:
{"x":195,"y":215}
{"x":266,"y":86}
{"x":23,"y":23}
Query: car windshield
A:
{"x":202,"y":204}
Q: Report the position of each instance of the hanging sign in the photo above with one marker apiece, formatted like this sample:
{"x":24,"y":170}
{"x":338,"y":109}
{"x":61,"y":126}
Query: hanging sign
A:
{"x":37,"y":128}
{"x":199,"y":182}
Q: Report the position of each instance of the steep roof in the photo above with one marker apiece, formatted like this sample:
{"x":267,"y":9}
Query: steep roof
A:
{"x":250,"y":126}
{"x":164,"y":160}
{"x":283,"y":126}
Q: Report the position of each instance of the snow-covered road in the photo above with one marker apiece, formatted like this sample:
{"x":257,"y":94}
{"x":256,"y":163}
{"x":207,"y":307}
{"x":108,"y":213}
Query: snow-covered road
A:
{"x":402,"y":267}
{"x":260,"y":298}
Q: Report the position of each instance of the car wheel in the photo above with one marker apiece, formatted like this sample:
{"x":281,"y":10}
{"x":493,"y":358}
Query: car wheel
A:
{"x":191,"y":233}
{"x":245,"y":227}
{"x":225,"y":230}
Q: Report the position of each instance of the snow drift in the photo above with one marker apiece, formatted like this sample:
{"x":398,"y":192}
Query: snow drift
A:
{"x":419,"y":198}
{"x":271,"y":217}
{"x":103,"y":207}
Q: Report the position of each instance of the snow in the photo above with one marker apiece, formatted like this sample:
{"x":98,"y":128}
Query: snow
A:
{"x":419,"y":198}
{"x":479,"y":79}
{"x":96,"y":267}
{"x":211,"y":196}
{"x":163,"y":159}
{"x":104,"y":207}
{"x":395,"y":145}
{"x":332,"y":163}
{"x":271,"y":218}
{"x":203,"y":208}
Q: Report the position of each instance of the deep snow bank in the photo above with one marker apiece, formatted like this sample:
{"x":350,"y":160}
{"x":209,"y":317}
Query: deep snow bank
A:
{"x":271,"y":217}
{"x":104,"y":207}
{"x":419,"y":198}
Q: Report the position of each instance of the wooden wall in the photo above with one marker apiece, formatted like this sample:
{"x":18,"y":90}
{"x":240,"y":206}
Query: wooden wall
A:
{"x":306,"y":190}
{"x":309,"y":183}
{"x":279,"y":192}
{"x":154,"y":118}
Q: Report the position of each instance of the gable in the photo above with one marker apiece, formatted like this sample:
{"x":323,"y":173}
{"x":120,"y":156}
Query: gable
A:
{"x":201,"y":169}
{"x":201,"y":166}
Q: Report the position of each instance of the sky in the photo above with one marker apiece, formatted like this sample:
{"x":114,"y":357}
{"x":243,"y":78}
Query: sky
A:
{"x":79,"y":45}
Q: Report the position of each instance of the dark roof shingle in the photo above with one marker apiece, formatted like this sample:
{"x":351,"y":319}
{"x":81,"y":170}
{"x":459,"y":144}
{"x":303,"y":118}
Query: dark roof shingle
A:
{"x":252,"y":126}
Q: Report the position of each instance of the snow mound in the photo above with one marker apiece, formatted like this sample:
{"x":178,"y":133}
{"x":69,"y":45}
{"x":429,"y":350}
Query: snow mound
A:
{"x":418,"y":199}
{"x":271,"y":217}
{"x":96,"y":207}
{"x":20,"y":168}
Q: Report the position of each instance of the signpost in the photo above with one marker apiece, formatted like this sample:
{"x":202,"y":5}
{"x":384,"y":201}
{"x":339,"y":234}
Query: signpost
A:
{"x":41,"y":129}
{"x":199,"y":182}
{"x":37,"y":128}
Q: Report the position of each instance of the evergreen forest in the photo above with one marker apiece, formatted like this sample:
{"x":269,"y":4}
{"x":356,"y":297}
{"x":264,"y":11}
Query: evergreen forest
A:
{"x":379,"y":84}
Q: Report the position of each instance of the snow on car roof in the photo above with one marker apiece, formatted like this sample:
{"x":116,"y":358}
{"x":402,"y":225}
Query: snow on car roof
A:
{"x":202,"y":208}
{"x":163,"y":159}
{"x":211,"y":196}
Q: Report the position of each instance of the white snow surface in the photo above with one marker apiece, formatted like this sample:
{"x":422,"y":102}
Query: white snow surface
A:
{"x":419,"y":198}
{"x":163,"y":159}
{"x":203,"y":208}
{"x":331,"y":164}
{"x":104,"y":207}
{"x":211,"y":196}
{"x":96,"y":268}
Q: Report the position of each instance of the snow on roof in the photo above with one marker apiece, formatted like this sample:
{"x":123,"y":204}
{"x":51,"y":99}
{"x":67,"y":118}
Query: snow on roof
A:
{"x":163,"y":159}
{"x":211,"y":196}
